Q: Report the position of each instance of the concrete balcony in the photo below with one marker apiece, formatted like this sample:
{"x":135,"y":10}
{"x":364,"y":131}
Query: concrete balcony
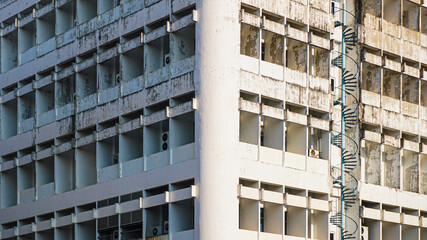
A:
{"x":272,"y":197}
{"x":46,"y":47}
{"x":248,"y":151}
{"x":66,"y":37}
{"x":131,"y":7}
{"x":372,"y":21}
{"x":410,"y":220}
{"x":271,"y":70}
{"x":109,"y":173}
{"x":46,"y":118}
{"x":296,"y":34}
{"x":274,"y":27}
{"x":318,"y":165}
{"x":249,"y":193}
{"x":410,"y":109}
{"x":108,"y":95}
{"x":46,"y":190}
{"x":182,"y":67}
{"x":28,"y":55}
{"x":371,"y":213}
{"x":296,"y":117}
{"x":26,"y":229}
{"x":63,"y":221}
{"x":370,"y":98}
{"x":390,"y":119}
{"x":26,"y":125}
{"x":410,"y":35}
{"x":182,"y":153}
{"x":65,"y":111}
{"x":390,"y":104}
{"x":184,"y":235}
{"x":87,"y":27}
{"x":296,"y":77}
{"x":269,"y":236}
{"x":319,"y":204}
{"x":319,"y":41}
{"x":133,"y":167}
{"x":271,"y":155}
{"x":157,"y":76}
{"x":132,"y":86}
{"x":296,"y":201}
{"x":294,"y":160}
{"x":391,"y":28}
{"x":249,"y":64}
{"x":87,"y":103}
{"x":27,"y":195}
{"x":393,"y":217}
{"x":109,"y":17}
{"x":157,"y":160}
{"x":371,"y":37}
{"x":411,"y":71}
{"x":247,"y":235}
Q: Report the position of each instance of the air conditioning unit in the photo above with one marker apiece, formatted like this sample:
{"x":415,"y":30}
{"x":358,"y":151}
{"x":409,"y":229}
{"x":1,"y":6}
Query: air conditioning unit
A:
{"x":156,"y":231}
{"x":313,"y":153}
{"x":165,"y":227}
{"x":364,"y":233}
{"x":115,"y":235}
{"x":117,"y":78}
{"x":164,"y":141}
{"x":167,"y":59}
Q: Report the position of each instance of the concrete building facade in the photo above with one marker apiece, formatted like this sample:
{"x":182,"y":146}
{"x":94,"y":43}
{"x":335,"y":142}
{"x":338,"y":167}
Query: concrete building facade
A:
{"x":208,"y":119}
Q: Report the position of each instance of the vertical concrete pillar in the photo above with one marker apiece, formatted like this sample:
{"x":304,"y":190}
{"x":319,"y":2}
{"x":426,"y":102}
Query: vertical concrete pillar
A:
{"x":216,"y":77}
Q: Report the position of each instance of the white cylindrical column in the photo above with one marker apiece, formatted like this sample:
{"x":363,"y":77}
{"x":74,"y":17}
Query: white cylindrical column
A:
{"x":217,"y":118}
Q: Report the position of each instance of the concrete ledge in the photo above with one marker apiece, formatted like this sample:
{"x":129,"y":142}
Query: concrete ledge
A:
{"x":319,"y":204}
{"x":296,"y":34}
{"x":249,"y":193}
{"x":296,"y":161}
{"x":247,"y":234}
{"x":183,"y":194}
{"x":249,"y":106}
{"x":156,"y":200}
{"x":270,"y":196}
{"x":248,"y":151}
{"x":371,"y":213}
{"x":410,"y":220}
{"x":250,"y":19}
{"x":272,"y":112}
{"x":388,"y":216}
{"x":295,"y":201}
{"x":296,"y":117}
{"x":183,"y":235}
{"x":270,"y":156}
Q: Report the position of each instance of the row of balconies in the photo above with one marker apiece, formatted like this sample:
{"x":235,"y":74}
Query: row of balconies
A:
{"x":150,"y":36}
{"x":55,"y":93}
{"x":394,"y":39}
{"x":109,"y":153}
{"x":390,"y":214}
{"x":313,"y":13}
{"x":394,"y":167}
{"x":178,"y":200}
{"x":86,"y":120}
{"x":270,"y":212}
